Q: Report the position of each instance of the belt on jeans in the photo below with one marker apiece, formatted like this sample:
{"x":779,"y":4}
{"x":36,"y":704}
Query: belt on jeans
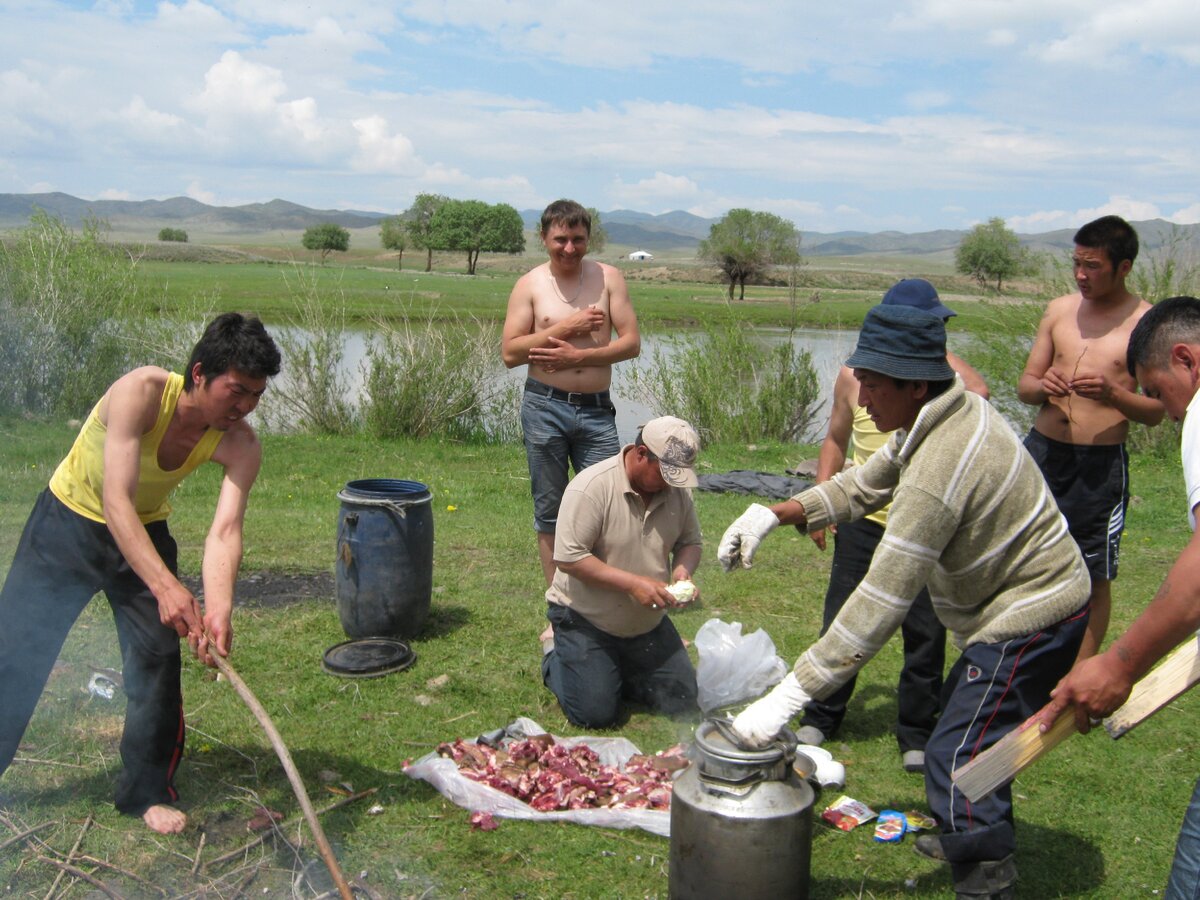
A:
{"x":575,"y":398}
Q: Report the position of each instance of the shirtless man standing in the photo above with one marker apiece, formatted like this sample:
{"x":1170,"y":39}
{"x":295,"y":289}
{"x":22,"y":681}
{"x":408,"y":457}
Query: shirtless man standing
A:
{"x":561,"y":318}
{"x":1076,"y":373}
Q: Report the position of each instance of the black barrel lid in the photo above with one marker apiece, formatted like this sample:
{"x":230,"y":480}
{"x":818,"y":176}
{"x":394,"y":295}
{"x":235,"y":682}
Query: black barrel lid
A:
{"x":368,"y":657}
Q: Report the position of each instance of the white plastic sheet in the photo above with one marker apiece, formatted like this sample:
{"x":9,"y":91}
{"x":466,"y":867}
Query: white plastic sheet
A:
{"x":444,"y":775}
{"x":734,"y":667}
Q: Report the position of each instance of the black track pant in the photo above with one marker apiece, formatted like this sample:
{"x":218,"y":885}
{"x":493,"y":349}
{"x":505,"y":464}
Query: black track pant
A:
{"x":62,"y":561}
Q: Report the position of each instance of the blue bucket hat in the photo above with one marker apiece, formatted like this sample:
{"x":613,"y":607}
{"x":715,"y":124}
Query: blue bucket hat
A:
{"x":903,"y":342}
{"x":919,"y":293}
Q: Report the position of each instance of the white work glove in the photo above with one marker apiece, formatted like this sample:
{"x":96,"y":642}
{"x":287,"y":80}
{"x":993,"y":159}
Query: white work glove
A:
{"x":742,"y":538}
{"x":759,"y":723}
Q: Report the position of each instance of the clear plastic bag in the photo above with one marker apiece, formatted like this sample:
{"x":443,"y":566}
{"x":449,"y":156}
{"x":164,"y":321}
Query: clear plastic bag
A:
{"x":734,"y":667}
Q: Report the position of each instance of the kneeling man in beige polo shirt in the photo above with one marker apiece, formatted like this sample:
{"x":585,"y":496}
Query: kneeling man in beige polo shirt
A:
{"x":627,"y":528}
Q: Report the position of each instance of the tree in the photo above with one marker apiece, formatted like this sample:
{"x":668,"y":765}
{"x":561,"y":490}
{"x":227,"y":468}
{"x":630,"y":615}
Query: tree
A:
{"x":474,"y":226}
{"x":394,"y":236}
{"x":598,"y":237}
{"x":173,"y":234}
{"x":418,"y":222}
{"x":990,"y":251}
{"x":745,"y":244}
{"x":325,"y":237}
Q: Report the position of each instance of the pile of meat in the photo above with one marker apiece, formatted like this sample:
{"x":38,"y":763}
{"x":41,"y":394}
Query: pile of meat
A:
{"x":549,"y":776}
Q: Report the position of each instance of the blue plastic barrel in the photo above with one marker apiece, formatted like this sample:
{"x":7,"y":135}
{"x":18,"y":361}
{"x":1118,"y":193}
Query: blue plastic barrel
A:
{"x":384,"y":557}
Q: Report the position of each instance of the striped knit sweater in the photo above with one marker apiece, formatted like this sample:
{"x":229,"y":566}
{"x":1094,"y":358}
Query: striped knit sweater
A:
{"x":971,"y":517}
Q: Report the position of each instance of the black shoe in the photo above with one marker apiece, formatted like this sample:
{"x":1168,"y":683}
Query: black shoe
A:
{"x":991,"y":879}
{"x":930,"y":846}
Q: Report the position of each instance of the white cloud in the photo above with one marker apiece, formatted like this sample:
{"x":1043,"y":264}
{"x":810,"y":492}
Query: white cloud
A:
{"x":1186,"y":216}
{"x":659,"y":193}
{"x":196,"y":192}
{"x":1052,"y":220}
{"x":381,"y":151}
{"x":114,"y":194}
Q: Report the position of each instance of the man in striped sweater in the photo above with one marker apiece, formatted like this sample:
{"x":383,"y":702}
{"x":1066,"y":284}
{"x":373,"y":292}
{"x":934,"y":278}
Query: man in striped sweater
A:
{"x":972,"y":518}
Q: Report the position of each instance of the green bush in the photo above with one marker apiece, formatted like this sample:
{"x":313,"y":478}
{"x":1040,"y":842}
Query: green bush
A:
{"x":66,"y":306}
{"x":176,"y":235}
{"x":443,"y":380}
{"x":731,"y":384}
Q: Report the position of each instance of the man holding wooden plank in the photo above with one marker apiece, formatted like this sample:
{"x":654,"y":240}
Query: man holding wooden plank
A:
{"x":972,"y":518}
{"x":1164,"y":356}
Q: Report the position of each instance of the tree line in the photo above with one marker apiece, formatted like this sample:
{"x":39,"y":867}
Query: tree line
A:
{"x":744,"y":245}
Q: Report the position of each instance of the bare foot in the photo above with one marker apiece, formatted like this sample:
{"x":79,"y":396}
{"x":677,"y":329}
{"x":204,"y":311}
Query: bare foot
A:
{"x":164,"y":819}
{"x":548,"y":633}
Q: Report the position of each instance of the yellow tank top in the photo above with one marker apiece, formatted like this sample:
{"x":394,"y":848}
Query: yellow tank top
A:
{"x":79,"y":479}
{"x":865,"y":439}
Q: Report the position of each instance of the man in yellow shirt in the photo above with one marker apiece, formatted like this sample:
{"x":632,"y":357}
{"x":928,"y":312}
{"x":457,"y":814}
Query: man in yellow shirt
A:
{"x":101,"y":525}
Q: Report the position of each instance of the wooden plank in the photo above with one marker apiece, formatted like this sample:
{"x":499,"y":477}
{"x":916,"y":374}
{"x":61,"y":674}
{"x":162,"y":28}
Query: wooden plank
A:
{"x":1160,"y":686}
{"x":1003,"y":761}
{"x":1000,"y":763}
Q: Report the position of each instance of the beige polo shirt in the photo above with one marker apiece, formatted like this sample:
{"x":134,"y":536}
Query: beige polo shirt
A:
{"x":603,"y":516}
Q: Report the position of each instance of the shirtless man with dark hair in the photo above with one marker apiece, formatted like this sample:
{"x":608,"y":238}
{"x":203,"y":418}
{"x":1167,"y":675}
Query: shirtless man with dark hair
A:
{"x":561,"y":320}
{"x":1076,"y":373}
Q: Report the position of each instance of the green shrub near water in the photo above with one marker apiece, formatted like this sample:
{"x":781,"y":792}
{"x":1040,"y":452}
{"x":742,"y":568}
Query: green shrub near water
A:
{"x":730,"y":383}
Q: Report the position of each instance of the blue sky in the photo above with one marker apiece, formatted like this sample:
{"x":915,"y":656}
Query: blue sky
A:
{"x":908,"y":115}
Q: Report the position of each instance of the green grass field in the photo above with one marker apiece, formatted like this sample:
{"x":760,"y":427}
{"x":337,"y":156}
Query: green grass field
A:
{"x":1096,"y":818}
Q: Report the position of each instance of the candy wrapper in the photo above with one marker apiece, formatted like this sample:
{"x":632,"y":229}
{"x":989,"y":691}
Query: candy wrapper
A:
{"x":847,"y":813}
{"x":918,"y":821}
{"x":891,"y":826}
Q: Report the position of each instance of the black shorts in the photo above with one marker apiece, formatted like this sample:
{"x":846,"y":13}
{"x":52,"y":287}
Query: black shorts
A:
{"x":1091,"y":486}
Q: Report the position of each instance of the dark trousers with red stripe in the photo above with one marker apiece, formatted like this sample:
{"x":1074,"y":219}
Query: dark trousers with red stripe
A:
{"x":62,"y":561}
{"x":991,"y":690}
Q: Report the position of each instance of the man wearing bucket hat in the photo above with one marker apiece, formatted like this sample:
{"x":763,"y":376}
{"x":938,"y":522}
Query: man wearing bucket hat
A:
{"x":627,"y":528}
{"x":972,"y":518}
{"x":852,"y":433}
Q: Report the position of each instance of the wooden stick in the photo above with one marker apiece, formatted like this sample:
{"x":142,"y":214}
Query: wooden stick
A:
{"x":293,"y":775}
{"x":87,"y":823}
{"x":16,"y":838}
{"x":1002,"y":762}
{"x":199,"y":851}
{"x":79,"y":873}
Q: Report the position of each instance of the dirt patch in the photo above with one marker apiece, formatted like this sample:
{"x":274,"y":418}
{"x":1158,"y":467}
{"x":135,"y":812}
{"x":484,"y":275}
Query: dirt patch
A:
{"x":271,"y":589}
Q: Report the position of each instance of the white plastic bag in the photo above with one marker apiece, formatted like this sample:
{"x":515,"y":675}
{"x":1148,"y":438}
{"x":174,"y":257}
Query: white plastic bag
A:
{"x":734,"y":667}
{"x":444,"y":775}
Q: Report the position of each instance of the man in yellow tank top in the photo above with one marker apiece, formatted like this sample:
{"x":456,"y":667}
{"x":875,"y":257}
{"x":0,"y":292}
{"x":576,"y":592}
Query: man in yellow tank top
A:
{"x":852,"y":432}
{"x":101,"y":525}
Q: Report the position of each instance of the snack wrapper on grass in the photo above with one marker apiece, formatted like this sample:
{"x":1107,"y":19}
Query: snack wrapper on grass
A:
{"x":891,"y":826}
{"x":846,"y":813}
{"x":918,"y":821}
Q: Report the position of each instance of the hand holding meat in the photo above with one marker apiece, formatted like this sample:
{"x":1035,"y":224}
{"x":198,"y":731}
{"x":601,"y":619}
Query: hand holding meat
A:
{"x":759,"y":723}
{"x":742,"y":538}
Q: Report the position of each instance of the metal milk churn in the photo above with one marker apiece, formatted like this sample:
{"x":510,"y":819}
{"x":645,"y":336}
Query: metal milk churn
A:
{"x":741,"y":820}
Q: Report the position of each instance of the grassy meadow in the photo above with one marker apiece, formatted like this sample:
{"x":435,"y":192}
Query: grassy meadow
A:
{"x":1096,"y":818}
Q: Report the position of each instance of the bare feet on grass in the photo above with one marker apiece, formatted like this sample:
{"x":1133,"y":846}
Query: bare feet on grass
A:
{"x":164,"y":819}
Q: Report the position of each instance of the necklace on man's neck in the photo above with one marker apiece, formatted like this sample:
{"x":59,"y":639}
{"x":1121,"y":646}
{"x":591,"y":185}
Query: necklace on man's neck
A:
{"x":561,"y":295}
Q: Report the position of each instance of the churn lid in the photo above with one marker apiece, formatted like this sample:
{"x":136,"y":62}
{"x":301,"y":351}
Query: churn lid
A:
{"x":368,"y":657}
{"x":717,"y":741}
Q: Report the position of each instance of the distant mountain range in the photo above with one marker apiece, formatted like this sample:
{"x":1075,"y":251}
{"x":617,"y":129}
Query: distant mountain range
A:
{"x":676,"y":230}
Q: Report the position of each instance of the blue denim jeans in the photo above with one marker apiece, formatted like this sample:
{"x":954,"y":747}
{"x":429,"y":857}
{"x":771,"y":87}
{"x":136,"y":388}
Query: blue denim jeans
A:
{"x":558,"y":433}
{"x":590,"y":670}
{"x":1184,"y":882}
